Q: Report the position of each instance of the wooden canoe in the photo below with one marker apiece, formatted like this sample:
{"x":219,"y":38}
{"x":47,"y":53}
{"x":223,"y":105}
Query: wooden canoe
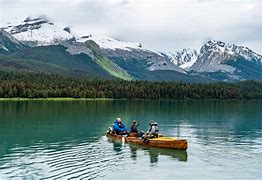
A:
{"x":161,"y":142}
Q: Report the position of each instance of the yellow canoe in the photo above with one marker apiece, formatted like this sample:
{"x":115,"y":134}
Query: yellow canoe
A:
{"x":162,"y":142}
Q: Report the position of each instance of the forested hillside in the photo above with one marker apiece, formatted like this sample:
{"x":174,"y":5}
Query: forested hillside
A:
{"x":39,"y":85}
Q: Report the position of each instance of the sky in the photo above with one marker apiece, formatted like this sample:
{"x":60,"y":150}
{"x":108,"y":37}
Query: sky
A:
{"x":160,"y":25}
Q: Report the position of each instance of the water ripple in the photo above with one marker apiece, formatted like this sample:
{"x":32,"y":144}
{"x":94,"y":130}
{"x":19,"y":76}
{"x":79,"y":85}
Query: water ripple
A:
{"x":69,"y":160}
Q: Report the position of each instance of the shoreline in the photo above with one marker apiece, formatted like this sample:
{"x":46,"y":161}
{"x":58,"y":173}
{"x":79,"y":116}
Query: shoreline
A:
{"x":56,"y":99}
{"x":111,"y":99}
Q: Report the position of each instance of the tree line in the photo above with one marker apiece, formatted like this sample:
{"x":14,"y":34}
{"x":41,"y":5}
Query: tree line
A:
{"x":39,"y":85}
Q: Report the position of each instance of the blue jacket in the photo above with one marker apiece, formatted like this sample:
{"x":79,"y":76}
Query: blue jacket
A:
{"x":117,"y":128}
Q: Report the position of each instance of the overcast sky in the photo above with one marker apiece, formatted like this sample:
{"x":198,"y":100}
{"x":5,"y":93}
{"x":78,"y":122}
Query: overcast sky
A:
{"x":162,"y":25}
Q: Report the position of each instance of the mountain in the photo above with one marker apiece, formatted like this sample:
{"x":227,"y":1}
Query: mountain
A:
{"x":41,"y":46}
{"x":228,"y":62}
{"x":8,"y":43}
{"x":126,"y":60}
{"x":146,"y":65}
{"x":184,"y":58}
{"x":37,"y":44}
{"x":116,"y":57}
{"x":38,"y":31}
{"x":78,"y":65}
{"x":109,"y":66}
{"x":125,"y":51}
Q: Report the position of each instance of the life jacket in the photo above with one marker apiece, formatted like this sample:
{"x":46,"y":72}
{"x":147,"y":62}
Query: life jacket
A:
{"x":155,"y":125}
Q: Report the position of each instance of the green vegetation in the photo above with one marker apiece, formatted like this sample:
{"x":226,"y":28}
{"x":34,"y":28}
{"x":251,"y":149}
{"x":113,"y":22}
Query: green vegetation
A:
{"x":137,"y":67}
{"x":56,"y":58}
{"x":106,"y":63}
{"x":39,"y":85}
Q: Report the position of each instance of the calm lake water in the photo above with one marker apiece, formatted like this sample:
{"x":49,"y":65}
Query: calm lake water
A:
{"x":66,"y":139}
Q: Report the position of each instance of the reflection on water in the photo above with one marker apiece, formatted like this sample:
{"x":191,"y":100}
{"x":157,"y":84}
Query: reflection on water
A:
{"x":152,"y":152}
{"x":155,"y":152}
{"x":63,"y":140}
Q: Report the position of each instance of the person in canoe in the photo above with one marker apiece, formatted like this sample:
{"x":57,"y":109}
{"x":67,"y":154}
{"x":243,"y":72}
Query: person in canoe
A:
{"x":153,"y":131}
{"x":118,"y":127}
{"x":133,"y":128}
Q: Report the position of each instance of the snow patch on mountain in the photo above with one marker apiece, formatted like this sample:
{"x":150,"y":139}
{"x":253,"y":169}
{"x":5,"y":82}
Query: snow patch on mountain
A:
{"x":39,"y":31}
{"x":110,"y":43}
{"x":184,"y":58}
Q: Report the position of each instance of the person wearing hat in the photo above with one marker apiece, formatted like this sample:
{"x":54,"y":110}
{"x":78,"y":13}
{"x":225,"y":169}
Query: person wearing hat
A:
{"x":133,"y":128}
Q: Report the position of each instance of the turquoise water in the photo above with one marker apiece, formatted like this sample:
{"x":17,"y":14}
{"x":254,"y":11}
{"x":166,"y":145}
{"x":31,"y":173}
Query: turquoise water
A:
{"x":66,"y":139}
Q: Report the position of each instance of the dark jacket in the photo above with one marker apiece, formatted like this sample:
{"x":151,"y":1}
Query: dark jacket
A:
{"x":134,"y":128}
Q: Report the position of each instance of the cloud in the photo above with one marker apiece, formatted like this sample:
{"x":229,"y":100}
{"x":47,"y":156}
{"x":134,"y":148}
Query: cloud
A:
{"x":165,"y":25}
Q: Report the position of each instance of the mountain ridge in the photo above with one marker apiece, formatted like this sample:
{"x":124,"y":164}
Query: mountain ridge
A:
{"x":216,"y":60}
{"x":219,"y":57}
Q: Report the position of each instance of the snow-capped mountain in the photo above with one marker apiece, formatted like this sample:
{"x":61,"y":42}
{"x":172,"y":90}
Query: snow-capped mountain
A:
{"x":216,"y":59}
{"x":41,"y":32}
{"x":184,"y":58}
{"x":130,"y":51}
{"x":230,"y":59}
{"x":214,"y":55}
{"x":38,"y":31}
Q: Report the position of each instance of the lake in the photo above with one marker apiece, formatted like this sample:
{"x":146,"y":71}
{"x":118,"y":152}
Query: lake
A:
{"x":66,"y":139}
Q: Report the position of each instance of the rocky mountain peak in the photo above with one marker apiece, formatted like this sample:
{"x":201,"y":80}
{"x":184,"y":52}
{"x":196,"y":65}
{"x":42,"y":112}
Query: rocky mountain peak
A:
{"x":184,"y":58}
{"x":231,"y":60}
{"x":219,"y":47}
{"x":38,"y":31}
